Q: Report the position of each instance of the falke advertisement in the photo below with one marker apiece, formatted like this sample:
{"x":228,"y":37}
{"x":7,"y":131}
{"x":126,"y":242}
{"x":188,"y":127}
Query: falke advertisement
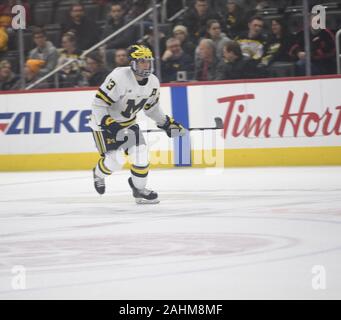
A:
{"x":31,"y":122}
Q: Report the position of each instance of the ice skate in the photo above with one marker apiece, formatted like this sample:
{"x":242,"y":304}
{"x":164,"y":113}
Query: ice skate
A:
{"x":98,"y":183}
{"x":143,"y":196}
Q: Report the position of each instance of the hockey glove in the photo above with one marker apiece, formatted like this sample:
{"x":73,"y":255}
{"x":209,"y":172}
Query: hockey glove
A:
{"x":172,"y":128}
{"x":111,"y":126}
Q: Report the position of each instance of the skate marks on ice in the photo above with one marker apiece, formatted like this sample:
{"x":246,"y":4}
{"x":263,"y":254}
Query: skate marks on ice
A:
{"x":69,"y":239}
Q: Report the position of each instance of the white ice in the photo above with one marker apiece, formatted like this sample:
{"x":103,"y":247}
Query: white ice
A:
{"x":255,"y":233}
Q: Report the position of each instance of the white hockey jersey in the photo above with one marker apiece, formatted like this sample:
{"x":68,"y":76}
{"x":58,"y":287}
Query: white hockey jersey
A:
{"x":122,"y":97}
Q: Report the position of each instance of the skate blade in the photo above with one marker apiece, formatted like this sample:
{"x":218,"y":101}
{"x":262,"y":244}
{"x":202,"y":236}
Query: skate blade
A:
{"x":145,"y":201}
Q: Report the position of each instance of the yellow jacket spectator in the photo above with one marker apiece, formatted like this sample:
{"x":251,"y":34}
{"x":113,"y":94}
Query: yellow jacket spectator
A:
{"x":31,"y":74}
{"x":4,"y":23}
{"x":3,"y":39}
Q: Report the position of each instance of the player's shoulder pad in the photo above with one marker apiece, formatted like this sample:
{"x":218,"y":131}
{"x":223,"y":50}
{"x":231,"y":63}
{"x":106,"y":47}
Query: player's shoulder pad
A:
{"x":154,"y":81}
{"x":116,"y":78}
{"x":120,"y":72}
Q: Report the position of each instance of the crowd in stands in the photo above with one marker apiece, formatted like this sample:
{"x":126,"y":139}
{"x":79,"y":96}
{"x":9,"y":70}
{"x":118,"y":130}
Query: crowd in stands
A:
{"x":212,"y":40}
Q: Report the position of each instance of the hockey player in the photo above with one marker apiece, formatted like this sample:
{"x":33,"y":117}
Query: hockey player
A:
{"x":125,"y":92}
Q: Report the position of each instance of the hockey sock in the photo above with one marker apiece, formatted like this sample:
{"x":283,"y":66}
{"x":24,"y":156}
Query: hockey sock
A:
{"x":102,"y":169}
{"x":139,"y":175}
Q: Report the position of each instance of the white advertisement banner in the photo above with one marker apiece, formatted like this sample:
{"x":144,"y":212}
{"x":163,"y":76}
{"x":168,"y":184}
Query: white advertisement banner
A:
{"x":57,"y":122}
{"x":271,"y":114}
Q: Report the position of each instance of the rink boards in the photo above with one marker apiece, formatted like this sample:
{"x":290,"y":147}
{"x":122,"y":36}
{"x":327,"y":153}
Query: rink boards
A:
{"x":279,"y":122}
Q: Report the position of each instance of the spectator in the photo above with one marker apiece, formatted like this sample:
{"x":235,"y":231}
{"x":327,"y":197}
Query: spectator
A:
{"x":45,"y":51}
{"x":6,"y":10}
{"x":70,"y":75}
{"x":7,"y":35}
{"x":6,"y":17}
{"x":5,"y":21}
{"x":31,"y":74}
{"x":148,"y":40}
{"x":121,"y":58}
{"x":214,"y":33}
{"x":205,"y":66}
{"x":116,"y":21}
{"x":196,"y":19}
{"x":255,"y":6}
{"x":136,"y":7}
{"x":234,"y":17}
{"x":87,"y":32}
{"x":5,"y":26}
{"x":253,"y":41}
{"x":322,"y":43}
{"x":235,"y":65}
{"x":7,"y":77}
{"x":278,"y":45}
{"x":69,"y":46}
{"x":95,"y":72}
{"x":174,"y":60}
{"x":3,"y":38}
{"x":261,"y":5}
{"x":180,"y":32}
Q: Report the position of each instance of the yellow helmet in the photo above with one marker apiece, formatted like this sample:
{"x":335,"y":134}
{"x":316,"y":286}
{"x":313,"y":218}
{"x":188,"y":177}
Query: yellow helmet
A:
{"x":140,"y":52}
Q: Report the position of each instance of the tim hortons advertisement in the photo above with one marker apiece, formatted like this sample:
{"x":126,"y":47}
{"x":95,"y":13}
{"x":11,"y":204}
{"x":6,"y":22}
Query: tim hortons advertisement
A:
{"x":271,"y":114}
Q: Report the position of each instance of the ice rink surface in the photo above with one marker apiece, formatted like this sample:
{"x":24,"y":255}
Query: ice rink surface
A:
{"x":255,"y":233}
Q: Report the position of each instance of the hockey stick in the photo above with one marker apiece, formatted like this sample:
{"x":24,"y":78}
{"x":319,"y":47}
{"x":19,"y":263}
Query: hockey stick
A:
{"x":218,"y":125}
